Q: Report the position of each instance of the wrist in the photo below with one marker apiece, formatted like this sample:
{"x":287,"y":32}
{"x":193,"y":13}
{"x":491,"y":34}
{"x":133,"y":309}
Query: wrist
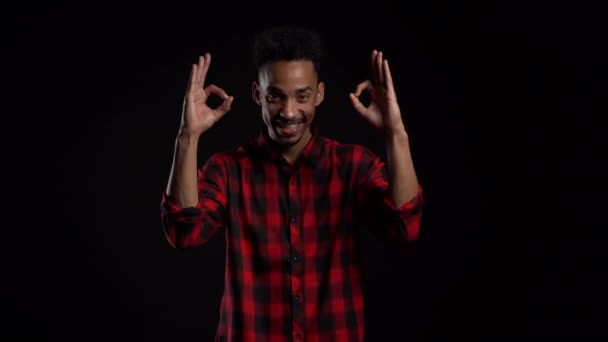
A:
{"x":395,"y":134}
{"x":184,"y":131}
{"x":185,"y":138}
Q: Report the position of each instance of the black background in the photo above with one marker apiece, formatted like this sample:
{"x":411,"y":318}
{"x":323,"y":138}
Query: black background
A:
{"x":502,"y":102}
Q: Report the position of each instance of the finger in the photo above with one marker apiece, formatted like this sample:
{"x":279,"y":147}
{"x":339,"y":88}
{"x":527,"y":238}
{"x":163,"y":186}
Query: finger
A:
{"x":202,"y":69}
{"x":388,"y":77}
{"x":207,"y":62}
{"x":199,"y":69}
{"x":193,"y":78}
{"x":225,"y":106}
{"x":380,"y":70}
{"x":365,"y":85}
{"x":375,"y":79}
{"x":213,"y":89}
{"x":359,"y":107}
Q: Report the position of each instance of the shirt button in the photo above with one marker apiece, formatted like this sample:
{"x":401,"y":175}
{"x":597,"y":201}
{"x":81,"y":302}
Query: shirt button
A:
{"x":293,"y":219}
{"x":295,"y":258}
{"x":298,"y":336}
{"x":298,"y":298}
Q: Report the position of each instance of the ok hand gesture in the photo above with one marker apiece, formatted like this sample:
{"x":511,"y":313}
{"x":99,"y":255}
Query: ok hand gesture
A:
{"x":383,"y":111}
{"x":197,"y":116}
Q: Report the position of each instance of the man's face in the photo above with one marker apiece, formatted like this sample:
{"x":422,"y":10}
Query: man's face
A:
{"x":288,"y":92}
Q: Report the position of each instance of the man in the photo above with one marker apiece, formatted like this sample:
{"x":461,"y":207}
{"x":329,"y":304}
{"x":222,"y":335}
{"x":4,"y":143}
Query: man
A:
{"x":291,"y":200}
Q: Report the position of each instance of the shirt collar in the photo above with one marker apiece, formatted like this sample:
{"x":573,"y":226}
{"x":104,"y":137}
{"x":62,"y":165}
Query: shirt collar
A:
{"x":310,"y":154}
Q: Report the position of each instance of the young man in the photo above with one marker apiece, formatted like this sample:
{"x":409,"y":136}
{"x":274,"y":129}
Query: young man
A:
{"x":291,"y":201}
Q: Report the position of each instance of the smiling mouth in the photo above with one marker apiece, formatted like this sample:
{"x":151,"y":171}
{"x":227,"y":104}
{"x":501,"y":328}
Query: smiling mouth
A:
{"x":288,"y":128}
{"x":290,"y":124}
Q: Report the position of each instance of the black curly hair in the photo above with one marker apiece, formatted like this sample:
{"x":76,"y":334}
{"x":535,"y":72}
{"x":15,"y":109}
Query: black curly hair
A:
{"x":287,"y":43}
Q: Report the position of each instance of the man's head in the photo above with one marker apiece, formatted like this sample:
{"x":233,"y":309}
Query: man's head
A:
{"x":288,"y":87}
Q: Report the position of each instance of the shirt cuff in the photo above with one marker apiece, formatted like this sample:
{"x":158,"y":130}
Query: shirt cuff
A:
{"x":171,"y":208}
{"x":409,"y":208}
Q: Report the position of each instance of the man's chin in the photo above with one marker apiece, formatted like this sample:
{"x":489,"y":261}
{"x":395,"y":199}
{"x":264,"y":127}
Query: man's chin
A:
{"x":288,"y":141}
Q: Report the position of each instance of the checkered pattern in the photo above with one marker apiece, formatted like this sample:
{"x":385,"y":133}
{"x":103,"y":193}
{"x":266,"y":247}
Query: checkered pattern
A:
{"x":292,"y":262}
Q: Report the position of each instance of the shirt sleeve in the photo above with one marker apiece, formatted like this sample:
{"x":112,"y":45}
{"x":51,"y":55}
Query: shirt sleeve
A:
{"x":194,"y":226}
{"x":378,"y":213}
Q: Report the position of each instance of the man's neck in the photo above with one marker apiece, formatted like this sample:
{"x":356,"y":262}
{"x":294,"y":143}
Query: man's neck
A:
{"x":292,"y":152}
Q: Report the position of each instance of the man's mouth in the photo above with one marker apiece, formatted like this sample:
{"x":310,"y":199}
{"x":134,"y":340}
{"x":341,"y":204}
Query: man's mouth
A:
{"x":288,"y":128}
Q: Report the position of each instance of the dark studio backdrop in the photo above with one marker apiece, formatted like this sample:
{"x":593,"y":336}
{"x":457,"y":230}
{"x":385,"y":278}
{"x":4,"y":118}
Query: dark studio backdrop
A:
{"x":499,"y":100}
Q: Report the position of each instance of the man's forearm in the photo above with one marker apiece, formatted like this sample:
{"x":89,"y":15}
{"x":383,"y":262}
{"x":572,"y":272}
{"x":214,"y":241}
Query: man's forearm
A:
{"x":403,"y":182}
{"x":182,"y":185}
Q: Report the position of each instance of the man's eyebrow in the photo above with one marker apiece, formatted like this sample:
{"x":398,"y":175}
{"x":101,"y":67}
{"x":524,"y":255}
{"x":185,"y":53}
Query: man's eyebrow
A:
{"x":277,"y":90}
{"x":274,"y":89}
{"x":305,"y":89}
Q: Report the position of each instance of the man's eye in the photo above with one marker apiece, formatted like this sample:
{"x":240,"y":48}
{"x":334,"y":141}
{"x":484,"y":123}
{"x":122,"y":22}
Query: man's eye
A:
{"x":272,"y":98}
{"x":303,"y":97}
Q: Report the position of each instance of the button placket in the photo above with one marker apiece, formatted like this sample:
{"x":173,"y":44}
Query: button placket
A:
{"x":296,"y":259}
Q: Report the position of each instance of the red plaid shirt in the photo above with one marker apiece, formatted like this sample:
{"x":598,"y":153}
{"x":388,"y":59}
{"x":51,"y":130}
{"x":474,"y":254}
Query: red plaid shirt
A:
{"x":292,"y":261}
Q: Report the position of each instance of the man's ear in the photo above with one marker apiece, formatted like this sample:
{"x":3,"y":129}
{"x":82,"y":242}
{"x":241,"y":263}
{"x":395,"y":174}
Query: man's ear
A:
{"x":320,"y":93}
{"x":255,"y":93}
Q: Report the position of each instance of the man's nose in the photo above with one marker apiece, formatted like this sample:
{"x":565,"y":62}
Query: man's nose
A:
{"x":289,"y":109}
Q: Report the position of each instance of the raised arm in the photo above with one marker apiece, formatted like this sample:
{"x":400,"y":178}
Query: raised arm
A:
{"x":193,"y":203}
{"x":383,"y":112}
{"x":197,"y":117}
{"x":392,"y":192}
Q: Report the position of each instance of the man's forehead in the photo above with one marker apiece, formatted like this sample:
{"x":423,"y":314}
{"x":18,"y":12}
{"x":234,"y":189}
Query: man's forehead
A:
{"x":299,"y":71}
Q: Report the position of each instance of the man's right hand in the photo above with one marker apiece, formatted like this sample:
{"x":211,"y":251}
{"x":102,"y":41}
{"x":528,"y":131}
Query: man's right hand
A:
{"x":197,"y":116}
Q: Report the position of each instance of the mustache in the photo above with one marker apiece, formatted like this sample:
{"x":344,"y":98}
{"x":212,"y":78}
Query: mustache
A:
{"x":284,"y":121}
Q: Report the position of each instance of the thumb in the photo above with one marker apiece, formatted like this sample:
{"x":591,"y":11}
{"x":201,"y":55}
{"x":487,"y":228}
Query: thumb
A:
{"x":359,"y":107}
